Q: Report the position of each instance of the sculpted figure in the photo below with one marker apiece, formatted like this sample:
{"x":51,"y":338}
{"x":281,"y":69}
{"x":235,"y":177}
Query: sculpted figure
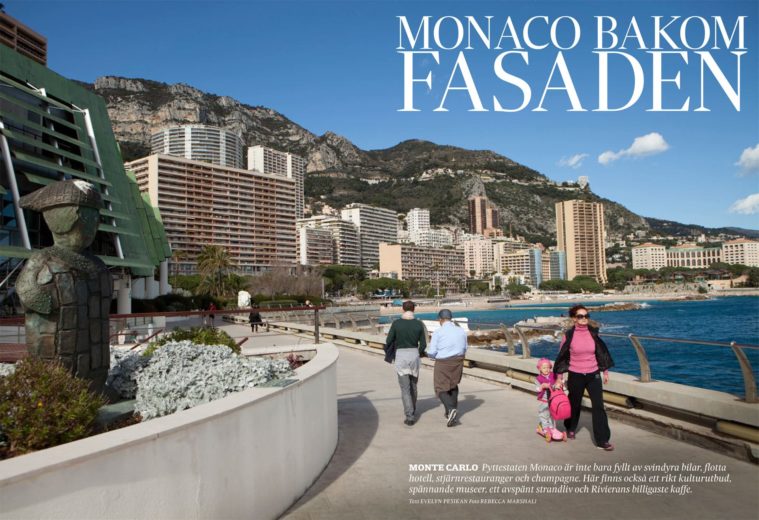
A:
{"x":66,"y":290}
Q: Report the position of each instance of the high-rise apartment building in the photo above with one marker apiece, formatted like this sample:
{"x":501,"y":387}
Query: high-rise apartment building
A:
{"x":478,"y":258}
{"x":581,"y":235}
{"x":649,"y":256}
{"x":483,"y":215}
{"x":741,"y":251}
{"x":199,"y":143}
{"x":441,"y":268}
{"x":417,"y":222}
{"x":22,"y":39}
{"x":346,"y":246}
{"x":315,"y":245}
{"x":268,"y":160}
{"x":250,"y":214}
{"x":374,"y":225}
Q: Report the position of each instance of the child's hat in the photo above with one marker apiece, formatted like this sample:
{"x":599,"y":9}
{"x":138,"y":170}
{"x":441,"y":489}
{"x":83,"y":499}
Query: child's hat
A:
{"x":542,"y":361}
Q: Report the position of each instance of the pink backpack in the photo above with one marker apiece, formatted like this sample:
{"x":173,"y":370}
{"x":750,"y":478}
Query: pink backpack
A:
{"x":558,"y":405}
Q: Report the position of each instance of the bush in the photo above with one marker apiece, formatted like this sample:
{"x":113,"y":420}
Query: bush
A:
{"x":198,"y":335}
{"x":43,"y":405}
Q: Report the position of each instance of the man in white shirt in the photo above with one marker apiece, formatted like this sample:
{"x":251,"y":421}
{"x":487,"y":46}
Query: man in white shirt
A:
{"x":447,"y":348}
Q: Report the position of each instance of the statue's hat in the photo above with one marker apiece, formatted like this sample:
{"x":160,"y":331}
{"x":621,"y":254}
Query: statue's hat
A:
{"x":63,"y":193}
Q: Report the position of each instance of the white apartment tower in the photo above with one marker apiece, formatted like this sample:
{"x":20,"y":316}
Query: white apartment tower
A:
{"x":374,"y":225}
{"x":417,"y":222}
{"x":581,"y":234}
{"x":199,"y":143}
{"x":268,"y":160}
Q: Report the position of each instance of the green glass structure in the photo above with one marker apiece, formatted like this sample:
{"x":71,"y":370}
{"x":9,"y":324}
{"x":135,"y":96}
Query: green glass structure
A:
{"x":52,"y":128}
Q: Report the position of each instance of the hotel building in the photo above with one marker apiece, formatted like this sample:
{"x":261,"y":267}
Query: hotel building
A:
{"x":374,"y":225}
{"x":443,"y":268}
{"x":268,"y":160}
{"x":581,"y":235}
{"x":199,"y":143}
{"x":741,"y":251}
{"x":22,"y":39}
{"x":250,"y":214}
{"x":692,"y":256}
{"x":649,"y":256}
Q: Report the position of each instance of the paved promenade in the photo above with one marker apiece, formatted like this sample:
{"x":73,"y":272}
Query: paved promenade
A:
{"x":369,"y":474}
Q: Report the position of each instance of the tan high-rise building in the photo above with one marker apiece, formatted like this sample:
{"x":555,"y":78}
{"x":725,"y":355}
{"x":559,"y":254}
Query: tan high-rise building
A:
{"x":580,"y":233}
{"x":443,"y":268}
{"x":22,"y":39}
{"x":483,"y":216}
{"x":478,"y":258}
{"x":250,"y":214}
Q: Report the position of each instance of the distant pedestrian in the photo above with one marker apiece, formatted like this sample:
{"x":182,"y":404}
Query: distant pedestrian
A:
{"x":211,"y":309}
{"x":585,"y":356}
{"x":448,"y":347}
{"x":410,"y":338}
{"x":255,"y":319}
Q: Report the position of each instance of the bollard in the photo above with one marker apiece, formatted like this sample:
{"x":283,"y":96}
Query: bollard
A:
{"x":316,"y":325}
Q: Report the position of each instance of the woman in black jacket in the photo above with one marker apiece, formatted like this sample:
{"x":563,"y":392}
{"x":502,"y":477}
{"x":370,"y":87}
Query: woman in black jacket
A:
{"x":585,"y":356}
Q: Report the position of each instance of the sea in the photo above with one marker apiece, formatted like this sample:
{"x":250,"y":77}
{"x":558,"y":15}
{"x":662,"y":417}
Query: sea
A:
{"x":718,"y":319}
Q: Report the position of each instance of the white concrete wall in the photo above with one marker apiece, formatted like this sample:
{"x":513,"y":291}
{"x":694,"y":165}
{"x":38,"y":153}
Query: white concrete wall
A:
{"x":249,"y":455}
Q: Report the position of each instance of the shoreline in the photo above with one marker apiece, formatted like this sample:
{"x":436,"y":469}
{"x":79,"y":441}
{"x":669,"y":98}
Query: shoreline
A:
{"x":481,"y":304}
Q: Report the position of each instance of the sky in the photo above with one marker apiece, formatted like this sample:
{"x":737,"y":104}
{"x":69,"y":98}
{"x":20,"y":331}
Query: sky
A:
{"x":340,"y":66}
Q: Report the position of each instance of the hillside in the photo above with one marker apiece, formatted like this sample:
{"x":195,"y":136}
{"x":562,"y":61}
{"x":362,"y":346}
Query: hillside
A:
{"x":410,"y":174}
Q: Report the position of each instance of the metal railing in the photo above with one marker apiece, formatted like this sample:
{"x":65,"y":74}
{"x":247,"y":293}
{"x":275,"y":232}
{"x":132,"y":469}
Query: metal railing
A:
{"x":749,"y":381}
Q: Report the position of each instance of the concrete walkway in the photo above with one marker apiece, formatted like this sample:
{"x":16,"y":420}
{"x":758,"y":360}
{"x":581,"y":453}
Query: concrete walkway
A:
{"x":370,"y":475}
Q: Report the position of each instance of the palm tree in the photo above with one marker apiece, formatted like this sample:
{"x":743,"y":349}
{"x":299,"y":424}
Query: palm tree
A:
{"x":214,"y":264}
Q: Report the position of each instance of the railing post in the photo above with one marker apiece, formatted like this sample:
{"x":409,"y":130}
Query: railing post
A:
{"x":509,"y":339}
{"x":645,"y":368}
{"x":316,"y":325}
{"x":525,"y":343}
{"x":749,"y":383}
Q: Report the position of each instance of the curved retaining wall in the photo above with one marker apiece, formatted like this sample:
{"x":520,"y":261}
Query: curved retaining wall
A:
{"x":249,"y":455}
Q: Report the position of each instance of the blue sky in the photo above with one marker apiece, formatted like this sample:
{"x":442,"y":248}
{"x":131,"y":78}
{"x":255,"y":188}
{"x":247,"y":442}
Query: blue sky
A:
{"x":334,"y":66}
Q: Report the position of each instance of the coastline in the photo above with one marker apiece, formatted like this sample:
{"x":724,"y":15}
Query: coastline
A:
{"x":481,"y":303}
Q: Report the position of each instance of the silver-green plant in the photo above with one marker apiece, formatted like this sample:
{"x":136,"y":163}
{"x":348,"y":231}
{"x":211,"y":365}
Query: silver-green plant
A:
{"x":182,"y":374}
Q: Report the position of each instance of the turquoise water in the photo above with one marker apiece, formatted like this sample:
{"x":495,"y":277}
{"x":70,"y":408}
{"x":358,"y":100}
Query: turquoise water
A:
{"x":721,"y":319}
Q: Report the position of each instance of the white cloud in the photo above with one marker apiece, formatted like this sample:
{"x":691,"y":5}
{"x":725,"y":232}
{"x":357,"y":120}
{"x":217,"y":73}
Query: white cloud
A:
{"x":648,"y":144}
{"x":747,"y":206}
{"x":574,"y":161}
{"x":749,"y":161}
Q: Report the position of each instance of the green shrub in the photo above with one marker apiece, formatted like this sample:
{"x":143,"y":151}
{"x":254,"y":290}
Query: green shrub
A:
{"x":198,"y":335}
{"x":43,"y":405}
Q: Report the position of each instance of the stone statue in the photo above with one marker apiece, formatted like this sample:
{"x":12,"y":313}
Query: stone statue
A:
{"x":66,"y":290}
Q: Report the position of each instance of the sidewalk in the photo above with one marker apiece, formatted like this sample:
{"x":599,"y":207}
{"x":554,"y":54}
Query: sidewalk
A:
{"x":369,"y":474}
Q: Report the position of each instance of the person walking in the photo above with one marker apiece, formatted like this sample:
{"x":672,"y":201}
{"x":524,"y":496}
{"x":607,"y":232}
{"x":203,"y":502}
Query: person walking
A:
{"x":447,"y":348}
{"x":585,"y":356}
{"x":410,"y":338}
{"x":255,"y":319}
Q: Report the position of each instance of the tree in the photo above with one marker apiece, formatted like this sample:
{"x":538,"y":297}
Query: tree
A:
{"x":214,"y":264}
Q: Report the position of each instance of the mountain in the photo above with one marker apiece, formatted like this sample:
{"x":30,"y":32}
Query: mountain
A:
{"x":410,"y":174}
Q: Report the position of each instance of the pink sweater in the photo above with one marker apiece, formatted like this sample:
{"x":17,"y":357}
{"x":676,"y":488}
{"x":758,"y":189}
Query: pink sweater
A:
{"x":582,"y":351}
